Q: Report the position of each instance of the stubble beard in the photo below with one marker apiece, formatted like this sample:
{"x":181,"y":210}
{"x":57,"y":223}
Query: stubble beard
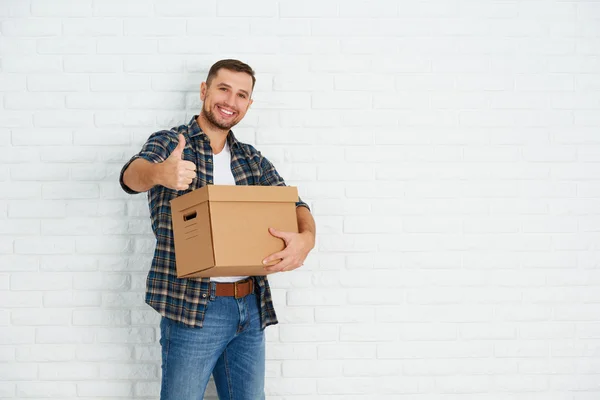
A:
{"x":212,"y":119}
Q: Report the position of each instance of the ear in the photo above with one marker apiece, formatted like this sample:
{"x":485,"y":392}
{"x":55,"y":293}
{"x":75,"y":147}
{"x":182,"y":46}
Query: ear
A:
{"x":203,"y":88}
{"x":249,"y":104}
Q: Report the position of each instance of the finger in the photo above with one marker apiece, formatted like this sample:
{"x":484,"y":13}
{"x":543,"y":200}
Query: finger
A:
{"x":275,"y":256}
{"x":277,"y":267}
{"x":289,"y":268}
{"x":274,"y":263}
{"x":286,"y":265}
{"x":190,"y":166}
{"x":189,"y":174}
{"x":178,"y":151}
{"x":181,"y":144}
{"x":280,"y":234}
{"x":183,"y":183}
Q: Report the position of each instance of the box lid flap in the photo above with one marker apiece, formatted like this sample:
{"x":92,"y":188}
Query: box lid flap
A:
{"x":190,"y":199}
{"x":273,"y":194}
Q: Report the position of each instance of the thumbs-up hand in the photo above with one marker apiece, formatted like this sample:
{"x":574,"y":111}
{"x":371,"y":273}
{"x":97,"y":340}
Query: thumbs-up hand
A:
{"x":177,"y":173}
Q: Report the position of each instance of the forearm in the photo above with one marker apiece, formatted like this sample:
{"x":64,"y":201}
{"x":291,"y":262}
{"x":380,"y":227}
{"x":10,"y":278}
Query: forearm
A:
{"x":142,"y":175}
{"x":306,"y":223}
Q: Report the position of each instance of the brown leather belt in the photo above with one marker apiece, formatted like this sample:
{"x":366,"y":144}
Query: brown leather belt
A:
{"x":235,"y":289}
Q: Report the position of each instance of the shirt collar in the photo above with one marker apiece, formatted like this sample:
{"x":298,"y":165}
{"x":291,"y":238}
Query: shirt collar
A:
{"x":195,"y":130}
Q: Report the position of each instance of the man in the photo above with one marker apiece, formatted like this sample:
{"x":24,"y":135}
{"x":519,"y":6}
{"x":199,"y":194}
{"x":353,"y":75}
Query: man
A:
{"x":205,"y":328}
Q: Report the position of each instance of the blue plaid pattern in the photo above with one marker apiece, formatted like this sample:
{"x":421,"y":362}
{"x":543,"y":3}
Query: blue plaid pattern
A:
{"x":184,"y":300}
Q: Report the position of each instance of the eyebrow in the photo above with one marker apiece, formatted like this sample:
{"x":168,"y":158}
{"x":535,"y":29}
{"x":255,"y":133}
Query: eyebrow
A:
{"x":229,"y":86}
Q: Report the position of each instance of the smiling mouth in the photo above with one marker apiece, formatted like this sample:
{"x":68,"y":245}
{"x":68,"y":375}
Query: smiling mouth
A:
{"x":226,"y":113}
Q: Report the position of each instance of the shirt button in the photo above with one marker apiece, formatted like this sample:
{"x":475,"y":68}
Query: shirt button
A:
{"x":204,"y":295}
{"x":210,"y":181}
{"x":209,"y":160}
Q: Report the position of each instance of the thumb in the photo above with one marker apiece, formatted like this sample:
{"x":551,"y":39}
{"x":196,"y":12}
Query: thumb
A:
{"x":279,"y":234}
{"x":180,"y":146}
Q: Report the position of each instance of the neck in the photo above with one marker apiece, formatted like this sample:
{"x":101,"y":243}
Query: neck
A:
{"x":216,"y":136}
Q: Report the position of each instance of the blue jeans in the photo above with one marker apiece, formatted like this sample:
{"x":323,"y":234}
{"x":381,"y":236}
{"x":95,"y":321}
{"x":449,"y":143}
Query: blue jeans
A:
{"x":230,"y":345}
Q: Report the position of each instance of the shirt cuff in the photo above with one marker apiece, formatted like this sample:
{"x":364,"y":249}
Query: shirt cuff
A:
{"x":302,"y":204}
{"x":126,"y":188}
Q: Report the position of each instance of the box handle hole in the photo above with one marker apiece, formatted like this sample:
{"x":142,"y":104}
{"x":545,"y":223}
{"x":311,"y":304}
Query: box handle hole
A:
{"x":189,"y":216}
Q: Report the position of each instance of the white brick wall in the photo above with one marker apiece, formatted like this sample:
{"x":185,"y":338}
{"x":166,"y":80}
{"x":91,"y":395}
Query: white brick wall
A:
{"x":449,"y":149}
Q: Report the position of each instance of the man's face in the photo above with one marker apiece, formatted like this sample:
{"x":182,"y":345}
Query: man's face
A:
{"x":227,"y":99}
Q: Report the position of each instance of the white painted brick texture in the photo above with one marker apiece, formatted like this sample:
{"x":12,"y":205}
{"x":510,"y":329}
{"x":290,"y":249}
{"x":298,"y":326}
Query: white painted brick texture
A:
{"x":450,"y":151}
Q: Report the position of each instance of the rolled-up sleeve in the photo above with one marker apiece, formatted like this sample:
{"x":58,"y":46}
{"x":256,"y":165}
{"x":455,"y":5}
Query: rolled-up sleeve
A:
{"x":270,"y":177}
{"x":156,"y":150}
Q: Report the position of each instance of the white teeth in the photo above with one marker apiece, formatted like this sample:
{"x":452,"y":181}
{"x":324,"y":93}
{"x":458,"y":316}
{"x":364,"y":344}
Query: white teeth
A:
{"x":227,"y":112}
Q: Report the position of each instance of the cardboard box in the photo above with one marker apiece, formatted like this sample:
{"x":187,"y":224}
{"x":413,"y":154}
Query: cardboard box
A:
{"x":222,"y":230}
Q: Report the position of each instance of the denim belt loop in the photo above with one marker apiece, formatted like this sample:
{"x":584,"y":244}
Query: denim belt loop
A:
{"x":213,"y":290}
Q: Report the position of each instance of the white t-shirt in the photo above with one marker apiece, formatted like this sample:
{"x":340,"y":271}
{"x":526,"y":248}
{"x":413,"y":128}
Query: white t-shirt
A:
{"x":222,"y":175}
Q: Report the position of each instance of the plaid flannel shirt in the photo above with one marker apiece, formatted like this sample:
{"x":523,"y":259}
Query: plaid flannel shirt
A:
{"x":185,"y":300}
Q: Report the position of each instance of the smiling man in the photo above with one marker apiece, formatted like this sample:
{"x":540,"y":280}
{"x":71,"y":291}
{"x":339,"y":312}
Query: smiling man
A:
{"x":205,"y":328}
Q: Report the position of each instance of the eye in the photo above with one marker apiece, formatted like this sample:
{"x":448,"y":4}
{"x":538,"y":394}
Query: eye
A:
{"x":223,"y":89}
{"x":243,"y":96}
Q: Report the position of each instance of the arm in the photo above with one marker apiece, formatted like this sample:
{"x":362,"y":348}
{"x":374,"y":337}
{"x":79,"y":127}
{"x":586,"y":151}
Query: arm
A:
{"x":306,"y":225}
{"x":297,"y":245}
{"x":142,"y":175}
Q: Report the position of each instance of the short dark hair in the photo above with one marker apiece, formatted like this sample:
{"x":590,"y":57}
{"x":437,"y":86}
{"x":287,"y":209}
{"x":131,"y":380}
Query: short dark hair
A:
{"x":231,"y":65}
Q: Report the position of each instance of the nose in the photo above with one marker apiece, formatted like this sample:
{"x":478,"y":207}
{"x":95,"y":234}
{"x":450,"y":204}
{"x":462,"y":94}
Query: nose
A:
{"x":230,"y":101}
